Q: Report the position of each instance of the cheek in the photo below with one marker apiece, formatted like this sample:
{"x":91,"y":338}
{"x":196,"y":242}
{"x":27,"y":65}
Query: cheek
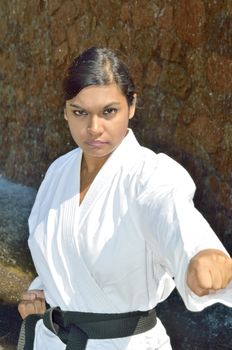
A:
{"x":75,"y":130}
{"x":120,"y":130}
{"x":75,"y":126}
{"x":123,"y":124}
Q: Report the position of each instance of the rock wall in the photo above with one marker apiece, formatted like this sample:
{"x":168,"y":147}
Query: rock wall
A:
{"x":180,"y":52}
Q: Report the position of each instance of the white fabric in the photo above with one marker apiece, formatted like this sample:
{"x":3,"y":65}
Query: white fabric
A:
{"x":119,"y":249}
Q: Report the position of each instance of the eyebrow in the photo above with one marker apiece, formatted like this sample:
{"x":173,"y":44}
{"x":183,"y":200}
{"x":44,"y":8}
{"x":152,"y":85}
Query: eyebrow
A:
{"x":108,"y":105}
{"x":75,"y":106}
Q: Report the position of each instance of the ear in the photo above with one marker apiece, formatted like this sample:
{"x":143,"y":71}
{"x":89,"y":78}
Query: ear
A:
{"x":65,"y":114}
{"x":132,"y":107}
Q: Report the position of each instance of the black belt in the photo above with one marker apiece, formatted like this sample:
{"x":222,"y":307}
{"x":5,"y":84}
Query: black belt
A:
{"x":75,"y":328}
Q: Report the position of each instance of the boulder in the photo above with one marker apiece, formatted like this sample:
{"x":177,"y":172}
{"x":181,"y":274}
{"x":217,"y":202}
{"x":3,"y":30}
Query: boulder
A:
{"x":16,"y":267}
{"x":209,"y":329}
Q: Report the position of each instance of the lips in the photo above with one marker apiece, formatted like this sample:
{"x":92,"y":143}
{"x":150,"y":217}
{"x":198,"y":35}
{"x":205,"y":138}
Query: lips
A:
{"x":96,"y":143}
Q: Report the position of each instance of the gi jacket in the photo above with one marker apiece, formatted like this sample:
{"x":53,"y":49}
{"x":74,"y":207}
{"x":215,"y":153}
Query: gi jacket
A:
{"x":125,"y":247}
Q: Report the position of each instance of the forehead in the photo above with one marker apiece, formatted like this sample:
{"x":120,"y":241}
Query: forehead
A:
{"x":99,"y":94}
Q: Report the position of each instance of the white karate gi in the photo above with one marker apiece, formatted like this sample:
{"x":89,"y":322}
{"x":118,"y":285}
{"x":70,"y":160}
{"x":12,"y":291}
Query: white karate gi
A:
{"x":119,"y":249}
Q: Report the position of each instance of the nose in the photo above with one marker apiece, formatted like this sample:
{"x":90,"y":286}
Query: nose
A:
{"x":94,"y":126}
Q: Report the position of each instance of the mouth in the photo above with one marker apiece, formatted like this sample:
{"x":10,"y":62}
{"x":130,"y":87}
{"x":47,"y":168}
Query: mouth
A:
{"x":95,"y":143}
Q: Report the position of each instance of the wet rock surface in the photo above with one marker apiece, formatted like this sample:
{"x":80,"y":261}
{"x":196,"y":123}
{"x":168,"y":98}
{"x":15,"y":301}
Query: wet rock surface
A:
{"x":209,"y":329}
{"x":16,"y":268}
{"x":9,"y":326}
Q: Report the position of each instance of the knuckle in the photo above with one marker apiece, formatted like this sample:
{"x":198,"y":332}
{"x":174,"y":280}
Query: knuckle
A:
{"x":201,"y":292}
{"x":21,"y":307}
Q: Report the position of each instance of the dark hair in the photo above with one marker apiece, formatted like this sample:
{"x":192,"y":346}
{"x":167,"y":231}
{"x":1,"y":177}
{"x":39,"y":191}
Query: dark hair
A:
{"x":98,"y":66}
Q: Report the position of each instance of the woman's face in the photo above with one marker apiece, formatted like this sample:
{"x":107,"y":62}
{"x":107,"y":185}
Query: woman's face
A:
{"x":98,"y":119}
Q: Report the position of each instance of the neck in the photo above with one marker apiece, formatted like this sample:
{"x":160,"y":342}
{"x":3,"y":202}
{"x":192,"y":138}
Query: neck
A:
{"x":92,"y":165}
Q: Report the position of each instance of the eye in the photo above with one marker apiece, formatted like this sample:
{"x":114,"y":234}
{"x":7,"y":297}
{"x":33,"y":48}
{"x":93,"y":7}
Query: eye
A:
{"x":79,"y":112}
{"x":110,"y":111}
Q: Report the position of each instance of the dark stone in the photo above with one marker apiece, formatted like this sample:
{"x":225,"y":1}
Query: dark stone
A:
{"x":10,"y":322}
{"x":209,"y":329}
{"x":220,"y":34}
{"x":174,"y":80}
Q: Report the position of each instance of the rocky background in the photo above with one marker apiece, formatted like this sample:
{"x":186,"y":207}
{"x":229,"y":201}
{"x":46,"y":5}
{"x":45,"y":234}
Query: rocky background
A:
{"x":180,"y":53}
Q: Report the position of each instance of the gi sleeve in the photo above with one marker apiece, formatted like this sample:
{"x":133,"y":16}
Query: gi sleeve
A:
{"x":175,"y":230}
{"x":36,"y":284}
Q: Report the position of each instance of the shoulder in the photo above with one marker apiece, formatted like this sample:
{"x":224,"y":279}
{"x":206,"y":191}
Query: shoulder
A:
{"x":161,"y":172}
{"x":62,"y":161}
{"x":174,"y":173}
{"x":59,"y":173}
{"x":59,"y":169}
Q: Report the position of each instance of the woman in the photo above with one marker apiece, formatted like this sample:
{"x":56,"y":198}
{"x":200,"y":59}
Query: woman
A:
{"x":113,"y":228}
